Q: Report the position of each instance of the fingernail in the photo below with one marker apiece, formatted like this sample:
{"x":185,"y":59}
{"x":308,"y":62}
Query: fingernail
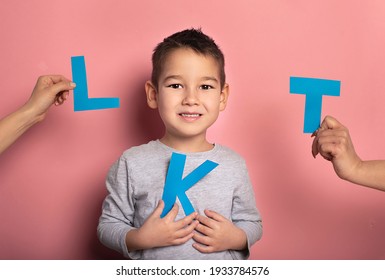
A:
{"x":72,"y":84}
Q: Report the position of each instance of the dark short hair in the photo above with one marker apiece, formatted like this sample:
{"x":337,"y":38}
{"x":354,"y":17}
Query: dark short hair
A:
{"x":193,"y":39}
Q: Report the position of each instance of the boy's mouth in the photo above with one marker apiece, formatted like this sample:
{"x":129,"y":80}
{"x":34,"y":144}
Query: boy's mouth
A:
{"x":190,"y":115}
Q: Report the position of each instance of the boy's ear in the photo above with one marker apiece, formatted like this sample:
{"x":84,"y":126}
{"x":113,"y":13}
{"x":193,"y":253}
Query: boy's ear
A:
{"x":152,"y":101}
{"x":224,"y":97}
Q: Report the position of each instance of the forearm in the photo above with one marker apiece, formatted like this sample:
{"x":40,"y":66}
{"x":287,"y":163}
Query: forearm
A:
{"x":112,"y":235}
{"x":370,"y":174}
{"x":135,"y":242}
{"x":14,"y":125}
{"x":242,"y":251}
{"x":238,"y":241}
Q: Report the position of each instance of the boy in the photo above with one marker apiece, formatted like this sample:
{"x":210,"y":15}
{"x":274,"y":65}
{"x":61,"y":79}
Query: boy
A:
{"x":188,"y":88}
{"x":333,"y":142}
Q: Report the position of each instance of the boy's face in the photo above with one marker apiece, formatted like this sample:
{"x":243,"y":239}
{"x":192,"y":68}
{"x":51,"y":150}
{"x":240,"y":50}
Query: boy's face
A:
{"x":189,"y":96}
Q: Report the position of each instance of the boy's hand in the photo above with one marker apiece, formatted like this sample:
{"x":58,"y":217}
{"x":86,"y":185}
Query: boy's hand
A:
{"x":160,"y":232}
{"x":332,"y":141}
{"x":216,"y":233}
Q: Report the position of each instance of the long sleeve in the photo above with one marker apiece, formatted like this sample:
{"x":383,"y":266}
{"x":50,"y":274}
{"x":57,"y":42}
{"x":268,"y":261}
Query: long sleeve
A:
{"x":135,"y":185}
{"x":118,"y":209}
{"x":245,"y":214}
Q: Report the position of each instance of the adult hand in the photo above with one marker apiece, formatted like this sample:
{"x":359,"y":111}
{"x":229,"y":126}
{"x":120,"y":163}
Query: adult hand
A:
{"x":332,"y":141}
{"x":48,"y":90}
{"x":52,"y":89}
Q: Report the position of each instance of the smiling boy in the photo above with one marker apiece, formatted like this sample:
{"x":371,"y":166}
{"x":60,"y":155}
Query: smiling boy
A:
{"x":189,"y":97}
{"x":188,"y":88}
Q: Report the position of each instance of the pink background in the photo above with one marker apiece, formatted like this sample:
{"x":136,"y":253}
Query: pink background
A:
{"x":52,"y":179}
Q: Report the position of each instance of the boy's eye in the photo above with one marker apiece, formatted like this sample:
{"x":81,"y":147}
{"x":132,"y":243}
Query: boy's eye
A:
{"x":175,"y":86}
{"x":206,"y":87}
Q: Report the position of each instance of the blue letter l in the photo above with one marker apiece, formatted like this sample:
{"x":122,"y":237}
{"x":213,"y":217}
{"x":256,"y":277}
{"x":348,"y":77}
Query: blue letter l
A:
{"x":81,"y":100}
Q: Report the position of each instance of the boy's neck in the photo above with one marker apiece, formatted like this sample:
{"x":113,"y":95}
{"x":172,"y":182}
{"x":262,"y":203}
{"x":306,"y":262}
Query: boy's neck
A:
{"x":187,"y":145}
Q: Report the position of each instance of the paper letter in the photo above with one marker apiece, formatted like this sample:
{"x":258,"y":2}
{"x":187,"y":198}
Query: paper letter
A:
{"x":175,"y":186}
{"x":314,"y":89}
{"x":81,"y":100}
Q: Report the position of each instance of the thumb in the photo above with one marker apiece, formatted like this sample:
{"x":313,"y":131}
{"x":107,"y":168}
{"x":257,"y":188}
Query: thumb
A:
{"x":62,"y":86}
{"x":330,"y":123}
{"x":159,"y":209}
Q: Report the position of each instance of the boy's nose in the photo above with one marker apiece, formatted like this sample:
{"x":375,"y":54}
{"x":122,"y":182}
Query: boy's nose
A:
{"x":191,"y":98}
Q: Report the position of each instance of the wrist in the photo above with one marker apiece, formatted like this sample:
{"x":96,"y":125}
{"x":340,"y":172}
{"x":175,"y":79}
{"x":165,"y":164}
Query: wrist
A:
{"x":355,"y":171}
{"x":31,"y":115}
{"x":240,"y":242}
{"x":136,"y":240}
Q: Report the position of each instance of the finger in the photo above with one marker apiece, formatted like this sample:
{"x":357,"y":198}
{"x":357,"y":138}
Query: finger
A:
{"x":203,"y":248}
{"x":341,"y":132}
{"x":314,"y":133}
{"x":186,"y":230}
{"x":329,"y":126}
{"x":340,"y":143}
{"x":60,"y":98}
{"x":186,"y":220}
{"x":202,"y":239}
{"x":159,"y":209}
{"x":63,"y":96}
{"x":215,"y":216}
{"x":58,"y":78}
{"x":330,"y":123}
{"x":53,"y":79}
{"x":50,"y":80}
{"x":327,"y":151}
{"x":314,"y":147}
{"x":183,"y":240}
{"x":170,"y":217}
{"x":331,"y":147}
{"x":204,"y":229}
{"x":326,"y":147}
{"x":62,"y":87}
{"x":206,"y":221}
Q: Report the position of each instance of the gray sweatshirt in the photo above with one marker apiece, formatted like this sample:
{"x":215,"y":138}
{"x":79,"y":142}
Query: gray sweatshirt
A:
{"x":135,"y":184}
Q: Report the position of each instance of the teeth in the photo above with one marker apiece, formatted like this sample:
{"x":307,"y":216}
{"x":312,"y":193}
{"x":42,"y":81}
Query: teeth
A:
{"x":190,"y":115}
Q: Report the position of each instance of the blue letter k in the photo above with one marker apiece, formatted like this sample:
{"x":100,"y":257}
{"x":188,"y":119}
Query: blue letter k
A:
{"x":176,"y":186}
